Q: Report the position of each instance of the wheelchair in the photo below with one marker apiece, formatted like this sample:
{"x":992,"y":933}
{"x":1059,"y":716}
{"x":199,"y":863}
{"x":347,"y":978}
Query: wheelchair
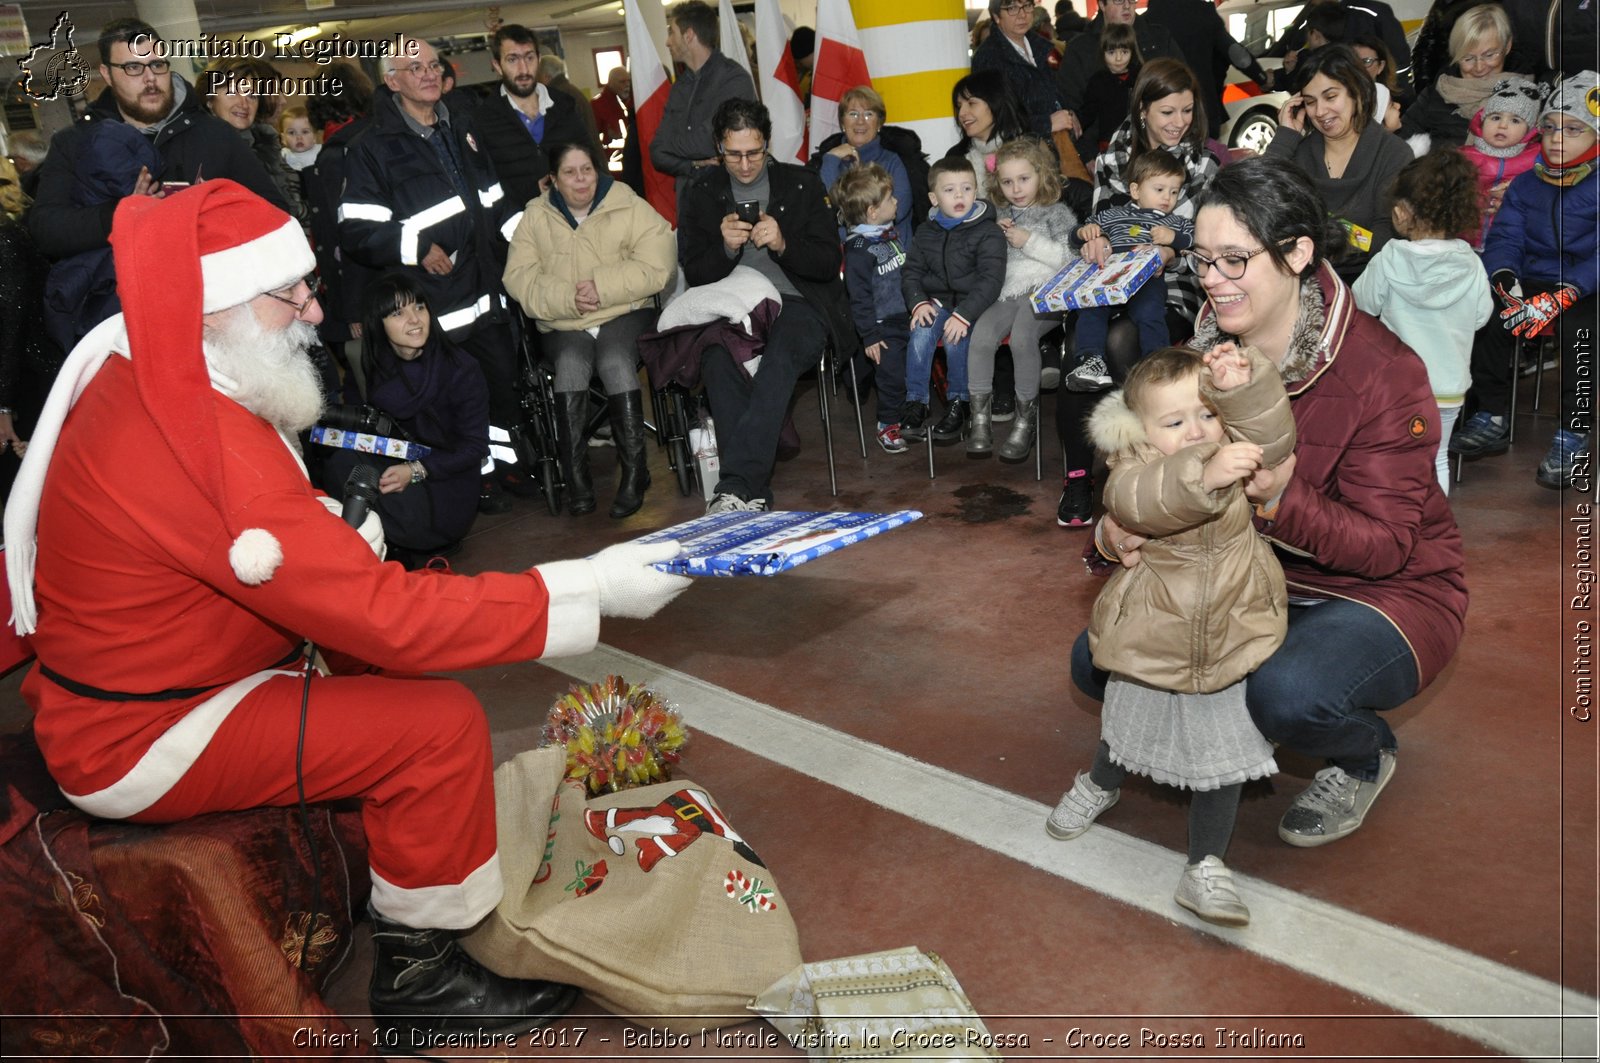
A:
{"x":535,"y":437}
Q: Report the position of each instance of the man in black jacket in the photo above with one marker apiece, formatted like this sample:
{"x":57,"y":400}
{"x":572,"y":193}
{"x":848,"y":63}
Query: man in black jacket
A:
{"x":524,"y":116}
{"x":1207,"y":47}
{"x":422,"y":197}
{"x":142,"y":91}
{"x":683,"y":141}
{"x":794,"y":243}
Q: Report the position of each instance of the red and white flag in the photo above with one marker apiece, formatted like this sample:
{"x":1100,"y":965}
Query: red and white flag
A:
{"x":840,"y":66}
{"x":731,"y":40}
{"x":779,"y":84}
{"x":650,"y":88}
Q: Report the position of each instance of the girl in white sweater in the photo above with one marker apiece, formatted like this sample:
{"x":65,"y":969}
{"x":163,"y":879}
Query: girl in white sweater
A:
{"x":1026,"y":187}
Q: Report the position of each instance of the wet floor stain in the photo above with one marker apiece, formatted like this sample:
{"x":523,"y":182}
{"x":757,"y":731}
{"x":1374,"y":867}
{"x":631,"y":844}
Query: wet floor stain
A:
{"x":987,"y":503}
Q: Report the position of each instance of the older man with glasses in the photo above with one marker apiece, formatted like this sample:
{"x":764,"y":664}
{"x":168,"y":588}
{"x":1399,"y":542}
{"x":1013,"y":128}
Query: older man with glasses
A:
{"x":144,"y":93}
{"x":774,"y":218}
{"x":423,"y":197}
{"x":1084,"y":57}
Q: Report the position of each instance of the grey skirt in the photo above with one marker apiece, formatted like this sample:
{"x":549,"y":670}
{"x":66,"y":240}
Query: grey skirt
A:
{"x":1196,"y":741}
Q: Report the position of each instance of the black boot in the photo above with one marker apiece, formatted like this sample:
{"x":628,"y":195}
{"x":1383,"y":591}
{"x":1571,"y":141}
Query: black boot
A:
{"x":572,"y":417}
{"x":423,"y":980}
{"x":953,"y":425}
{"x":627,"y":430}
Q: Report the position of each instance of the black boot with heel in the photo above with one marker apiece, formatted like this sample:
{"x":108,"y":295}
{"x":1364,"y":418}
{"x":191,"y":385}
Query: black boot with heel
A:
{"x":572,"y":418}
{"x":627,"y":430}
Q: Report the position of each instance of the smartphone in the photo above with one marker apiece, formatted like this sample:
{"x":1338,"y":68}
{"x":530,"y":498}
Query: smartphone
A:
{"x":748,"y":211}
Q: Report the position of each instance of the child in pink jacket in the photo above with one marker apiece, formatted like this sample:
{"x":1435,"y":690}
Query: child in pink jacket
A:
{"x":1502,"y":143}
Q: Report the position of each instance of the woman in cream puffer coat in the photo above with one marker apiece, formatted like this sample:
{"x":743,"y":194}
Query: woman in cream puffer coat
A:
{"x":586,"y":262}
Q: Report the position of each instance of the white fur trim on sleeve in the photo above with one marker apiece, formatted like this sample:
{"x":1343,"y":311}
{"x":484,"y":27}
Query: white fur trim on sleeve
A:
{"x":255,"y":556}
{"x":573,"y":624}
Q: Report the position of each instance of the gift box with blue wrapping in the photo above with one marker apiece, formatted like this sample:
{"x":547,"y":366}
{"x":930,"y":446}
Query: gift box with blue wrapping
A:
{"x":764,"y":544}
{"x":1082,"y":284}
{"x":368,"y":443}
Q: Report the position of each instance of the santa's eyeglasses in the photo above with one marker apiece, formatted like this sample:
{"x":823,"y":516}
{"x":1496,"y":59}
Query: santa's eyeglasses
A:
{"x":283,"y":295}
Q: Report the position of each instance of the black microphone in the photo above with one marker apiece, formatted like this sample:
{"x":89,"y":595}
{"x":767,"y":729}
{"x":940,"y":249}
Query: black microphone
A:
{"x":360,"y":495}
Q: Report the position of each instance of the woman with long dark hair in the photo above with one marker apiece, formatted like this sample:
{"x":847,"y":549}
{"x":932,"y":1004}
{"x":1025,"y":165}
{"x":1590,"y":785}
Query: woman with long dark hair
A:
{"x":435,"y":395}
{"x":1165,"y":113}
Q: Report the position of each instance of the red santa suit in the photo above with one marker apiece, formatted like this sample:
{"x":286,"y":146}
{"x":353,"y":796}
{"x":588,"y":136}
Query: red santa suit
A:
{"x":167,"y":683}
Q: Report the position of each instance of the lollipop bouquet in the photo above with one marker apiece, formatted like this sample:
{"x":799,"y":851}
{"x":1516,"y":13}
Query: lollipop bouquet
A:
{"x":616,"y":736}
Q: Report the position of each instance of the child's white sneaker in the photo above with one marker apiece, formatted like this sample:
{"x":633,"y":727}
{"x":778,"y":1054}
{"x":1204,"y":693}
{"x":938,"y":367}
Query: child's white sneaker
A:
{"x":1079,"y":807}
{"x":1207,"y":890}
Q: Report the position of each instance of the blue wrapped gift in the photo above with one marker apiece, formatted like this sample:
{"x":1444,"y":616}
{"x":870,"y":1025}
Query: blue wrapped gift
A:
{"x":1082,"y":284}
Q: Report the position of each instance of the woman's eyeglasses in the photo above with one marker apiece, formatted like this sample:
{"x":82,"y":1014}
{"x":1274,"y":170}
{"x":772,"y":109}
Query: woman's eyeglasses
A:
{"x":1231,"y":265}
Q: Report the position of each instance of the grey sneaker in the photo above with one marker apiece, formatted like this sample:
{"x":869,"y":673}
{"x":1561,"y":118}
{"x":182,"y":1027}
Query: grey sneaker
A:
{"x":1090,"y":375}
{"x":729,"y":503}
{"x":1079,"y":807}
{"x":1334,"y":805}
{"x":1207,"y":890}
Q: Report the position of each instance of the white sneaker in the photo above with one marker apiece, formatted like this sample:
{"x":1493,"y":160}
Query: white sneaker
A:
{"x":1079,"y":807}
{"x":1207,"y":890}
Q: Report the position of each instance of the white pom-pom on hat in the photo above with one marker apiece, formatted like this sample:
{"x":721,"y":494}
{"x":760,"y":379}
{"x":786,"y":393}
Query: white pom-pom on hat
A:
{"x":255,"y":556}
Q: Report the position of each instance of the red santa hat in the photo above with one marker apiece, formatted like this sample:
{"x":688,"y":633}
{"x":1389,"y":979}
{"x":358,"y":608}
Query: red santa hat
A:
{"x":178,"y":258}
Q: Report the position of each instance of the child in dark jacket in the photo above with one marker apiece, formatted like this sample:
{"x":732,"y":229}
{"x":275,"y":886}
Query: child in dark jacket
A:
{"x":1105,"y":96}
{"x":873,"y":256}
{"x":951,"y":276}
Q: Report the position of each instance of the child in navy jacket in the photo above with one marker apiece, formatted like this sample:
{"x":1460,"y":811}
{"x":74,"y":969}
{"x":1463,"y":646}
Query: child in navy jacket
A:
{"x":873,"y":256}
{"x":952,"y":274}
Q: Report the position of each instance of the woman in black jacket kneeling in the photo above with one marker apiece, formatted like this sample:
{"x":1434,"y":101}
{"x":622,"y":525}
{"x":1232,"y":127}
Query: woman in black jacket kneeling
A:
{"x":436,"y":396}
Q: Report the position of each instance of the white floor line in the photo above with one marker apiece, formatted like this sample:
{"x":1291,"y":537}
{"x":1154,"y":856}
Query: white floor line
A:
{"x":1509,"y":1010}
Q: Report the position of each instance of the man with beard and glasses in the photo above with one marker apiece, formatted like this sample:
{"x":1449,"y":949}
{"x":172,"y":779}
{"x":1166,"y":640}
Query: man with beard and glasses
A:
{"x":524,"y":115}
{"x":422,"y":196}
{"x":169,"y":558}
{"x":143,"y":91}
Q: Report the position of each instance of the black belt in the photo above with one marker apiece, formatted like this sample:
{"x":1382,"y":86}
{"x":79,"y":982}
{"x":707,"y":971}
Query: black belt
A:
{"x":84,"y":690}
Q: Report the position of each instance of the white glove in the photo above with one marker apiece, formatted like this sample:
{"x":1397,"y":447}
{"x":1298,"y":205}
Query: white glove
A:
{"x":629,"y":586}
{"x":371,"y":527}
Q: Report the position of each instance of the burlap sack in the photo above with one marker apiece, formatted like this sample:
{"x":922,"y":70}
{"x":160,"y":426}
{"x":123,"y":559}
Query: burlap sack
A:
{"x":648,"y":899}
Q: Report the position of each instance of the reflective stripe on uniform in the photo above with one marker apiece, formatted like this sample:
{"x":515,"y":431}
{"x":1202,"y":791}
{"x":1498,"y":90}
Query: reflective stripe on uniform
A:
{"x":510,"y":226}
{"x":364,"y":212}
{"x":464,"y":316}
{"x":411,"y":228}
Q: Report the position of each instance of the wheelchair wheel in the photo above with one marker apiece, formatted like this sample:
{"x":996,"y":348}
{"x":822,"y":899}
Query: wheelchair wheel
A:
{"x":550,"y":484}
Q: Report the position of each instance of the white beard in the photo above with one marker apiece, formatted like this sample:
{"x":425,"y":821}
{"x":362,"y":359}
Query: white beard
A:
{"x":268,"y":373}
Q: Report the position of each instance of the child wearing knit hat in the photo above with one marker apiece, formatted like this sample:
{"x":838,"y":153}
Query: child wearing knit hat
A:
{"x":1502,"y":141}
{"x":1545,"y":243}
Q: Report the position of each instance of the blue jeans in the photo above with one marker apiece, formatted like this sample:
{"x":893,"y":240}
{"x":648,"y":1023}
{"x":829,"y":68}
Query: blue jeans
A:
{"x":1320,"y":694}
{"x":1147,"y":309}
{"x":919,"y":360}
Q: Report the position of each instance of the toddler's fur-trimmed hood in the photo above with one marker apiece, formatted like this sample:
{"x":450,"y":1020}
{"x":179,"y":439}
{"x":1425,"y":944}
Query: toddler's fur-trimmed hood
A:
{"x":1114,"y":427}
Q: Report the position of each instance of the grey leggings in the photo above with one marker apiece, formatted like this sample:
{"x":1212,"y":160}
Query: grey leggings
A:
{"x":1211,"y":812}
{"x":613,"y":354}
{"x":1014,"y":316}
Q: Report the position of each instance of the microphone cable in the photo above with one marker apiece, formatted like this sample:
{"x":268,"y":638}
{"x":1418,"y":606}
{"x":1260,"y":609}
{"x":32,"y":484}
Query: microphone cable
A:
{"x":360,"y":492}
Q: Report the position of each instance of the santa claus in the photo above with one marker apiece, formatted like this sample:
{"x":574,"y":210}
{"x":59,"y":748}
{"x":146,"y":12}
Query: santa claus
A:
{"x":170,"y":559}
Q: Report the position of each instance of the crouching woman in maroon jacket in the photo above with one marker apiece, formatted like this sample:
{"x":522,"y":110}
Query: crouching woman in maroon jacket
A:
{"x":1373,"y":558}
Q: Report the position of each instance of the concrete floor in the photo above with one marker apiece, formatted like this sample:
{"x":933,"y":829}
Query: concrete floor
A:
{"x":890,"y":725}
